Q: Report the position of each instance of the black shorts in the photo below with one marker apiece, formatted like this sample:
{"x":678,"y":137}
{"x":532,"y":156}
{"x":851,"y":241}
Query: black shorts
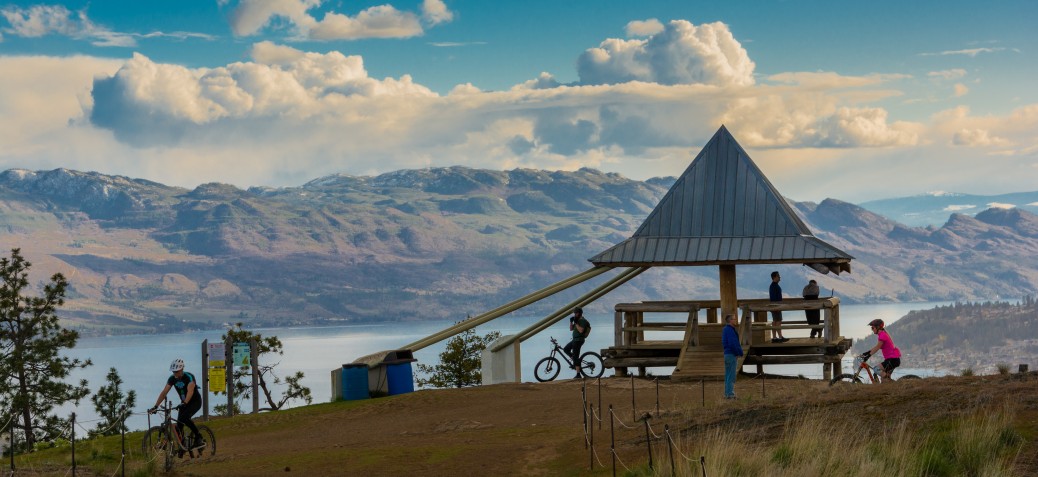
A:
{"x":776,"y":316}
{"x":890,"y":363}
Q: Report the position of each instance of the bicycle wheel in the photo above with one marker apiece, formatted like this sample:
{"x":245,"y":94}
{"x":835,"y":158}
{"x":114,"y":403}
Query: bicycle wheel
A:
{"x":153,"y":441}
{"x":908,"y":376}
{"x":591,"y":364}
{"x":547,"y":369}
{"x":846,"y":378}
{"x":210,"y":441}
{"x":171,"y":452}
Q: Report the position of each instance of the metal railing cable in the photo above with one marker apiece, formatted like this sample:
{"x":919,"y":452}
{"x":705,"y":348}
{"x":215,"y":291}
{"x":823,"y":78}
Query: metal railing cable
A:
{"x":618,"y":459}
{"x":622,"y":422}
{"x":678,"y":449}
{"x":593,"y":451}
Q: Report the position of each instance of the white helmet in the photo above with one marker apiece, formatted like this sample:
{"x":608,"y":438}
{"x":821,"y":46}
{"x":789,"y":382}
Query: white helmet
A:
{"x":176,"y":365}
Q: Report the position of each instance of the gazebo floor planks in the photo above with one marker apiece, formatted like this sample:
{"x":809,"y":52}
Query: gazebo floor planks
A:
{"x":707,"y":360}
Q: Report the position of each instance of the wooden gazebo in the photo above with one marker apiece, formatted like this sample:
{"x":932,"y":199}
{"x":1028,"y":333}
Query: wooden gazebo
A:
{"x":721,"y":212}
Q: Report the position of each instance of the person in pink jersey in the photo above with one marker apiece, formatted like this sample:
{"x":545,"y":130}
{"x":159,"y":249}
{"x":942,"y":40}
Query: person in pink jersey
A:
{"x":891,"y":355}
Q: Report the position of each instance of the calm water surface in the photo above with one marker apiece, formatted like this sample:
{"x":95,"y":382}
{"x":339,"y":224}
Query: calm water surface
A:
{"x":143,"y":361}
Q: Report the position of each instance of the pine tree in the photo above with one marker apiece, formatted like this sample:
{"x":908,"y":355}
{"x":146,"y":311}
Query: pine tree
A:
{"x":460,"y":364}
{"x":112,"y":405}
{"x":32,"y":368}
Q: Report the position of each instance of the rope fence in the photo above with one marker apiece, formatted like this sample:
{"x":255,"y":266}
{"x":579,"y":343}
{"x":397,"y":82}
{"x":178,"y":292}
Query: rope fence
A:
{"x":68,"y":432}
{"x":640,"y":430}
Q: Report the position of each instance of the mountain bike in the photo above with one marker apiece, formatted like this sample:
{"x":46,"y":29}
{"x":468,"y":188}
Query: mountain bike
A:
{"x":166,"y":440}
{"x":871,"y":373}
{"x":548,"y":368}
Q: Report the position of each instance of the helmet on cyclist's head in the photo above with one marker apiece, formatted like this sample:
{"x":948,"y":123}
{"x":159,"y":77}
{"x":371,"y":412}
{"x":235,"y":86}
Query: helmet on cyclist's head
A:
{"x":176,"y":365}
{"x":878,"y":323}
{"x":578,"y":311}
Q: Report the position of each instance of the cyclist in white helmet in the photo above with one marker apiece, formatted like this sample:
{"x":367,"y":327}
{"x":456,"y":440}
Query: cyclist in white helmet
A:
{"x":190,"y":401}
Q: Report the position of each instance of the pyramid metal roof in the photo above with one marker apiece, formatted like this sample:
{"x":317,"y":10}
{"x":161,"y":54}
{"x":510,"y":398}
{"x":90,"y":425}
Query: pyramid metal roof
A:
{"x":723,"y":210}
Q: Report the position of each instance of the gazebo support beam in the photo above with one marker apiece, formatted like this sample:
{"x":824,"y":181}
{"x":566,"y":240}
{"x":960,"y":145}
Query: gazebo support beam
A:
{"x":507,"y":308}
{"x":729,"y":298}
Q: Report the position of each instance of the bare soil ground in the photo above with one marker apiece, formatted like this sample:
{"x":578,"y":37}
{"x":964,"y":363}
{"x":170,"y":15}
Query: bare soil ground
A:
{"x":533,"y":429}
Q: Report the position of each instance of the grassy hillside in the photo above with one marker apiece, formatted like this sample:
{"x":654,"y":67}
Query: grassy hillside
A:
{"x":952,"y":426}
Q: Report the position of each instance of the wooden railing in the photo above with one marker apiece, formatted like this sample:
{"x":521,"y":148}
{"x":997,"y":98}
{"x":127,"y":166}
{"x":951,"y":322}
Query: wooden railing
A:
{"x":630,"y":324}
{"x":755,"y":317}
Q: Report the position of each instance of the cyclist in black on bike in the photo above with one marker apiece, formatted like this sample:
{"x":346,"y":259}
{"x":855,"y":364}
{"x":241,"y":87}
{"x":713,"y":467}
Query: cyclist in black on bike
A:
{"x":581,"y":329}
{"x":191,"y":401}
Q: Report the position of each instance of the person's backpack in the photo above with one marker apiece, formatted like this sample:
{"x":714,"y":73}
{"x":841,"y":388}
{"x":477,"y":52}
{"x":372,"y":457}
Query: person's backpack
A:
{"x":587,"y":330}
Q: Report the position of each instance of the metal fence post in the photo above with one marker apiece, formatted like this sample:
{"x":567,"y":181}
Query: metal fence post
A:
{"x":670,"y":448}
{"x":648,"y":442}
{"x":633,"y":417}
{"x":122,"y":432}
{"x":612,"y":441}
{"x":600,"y":402}
{"x":657,"y":397}
{"x":591,"y":434}
{"x":73,"y":444}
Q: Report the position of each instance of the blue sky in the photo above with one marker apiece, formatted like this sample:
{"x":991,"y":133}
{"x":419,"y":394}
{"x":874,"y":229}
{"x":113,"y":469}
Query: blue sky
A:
{"x":855,"y":101}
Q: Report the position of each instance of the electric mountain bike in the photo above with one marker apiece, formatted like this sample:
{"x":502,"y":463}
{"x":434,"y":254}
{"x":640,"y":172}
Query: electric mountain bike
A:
{"x":864,"y":373}
{"x":166,"y":440}
{"x":548,"y":368}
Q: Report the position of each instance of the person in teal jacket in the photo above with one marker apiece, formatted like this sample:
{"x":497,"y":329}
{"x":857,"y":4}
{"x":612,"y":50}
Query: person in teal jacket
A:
{"x":732,"y":351}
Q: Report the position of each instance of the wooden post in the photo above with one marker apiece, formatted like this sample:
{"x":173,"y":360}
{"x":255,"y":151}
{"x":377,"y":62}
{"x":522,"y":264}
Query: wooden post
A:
{"x":618,"y":323}
{"x":205,"y":380}
{"x":729,"y":298}
{"x":254,"y":362}
{"x":827,"y":327}
{"x":228,"y":351}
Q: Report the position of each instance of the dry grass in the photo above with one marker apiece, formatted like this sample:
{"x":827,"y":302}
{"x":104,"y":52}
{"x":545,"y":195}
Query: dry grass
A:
{"x":981,"y":442}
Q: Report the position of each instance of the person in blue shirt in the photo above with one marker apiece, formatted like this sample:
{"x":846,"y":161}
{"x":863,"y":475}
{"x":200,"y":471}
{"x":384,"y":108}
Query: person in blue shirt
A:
{"x":732,"y":351}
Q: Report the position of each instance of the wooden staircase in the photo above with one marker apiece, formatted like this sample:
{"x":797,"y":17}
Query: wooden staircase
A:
{"x":702,"y":362}
{"x":702,"y":356}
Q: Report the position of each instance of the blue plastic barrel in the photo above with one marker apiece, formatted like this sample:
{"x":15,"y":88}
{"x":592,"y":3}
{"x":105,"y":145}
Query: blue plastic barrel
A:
{"x":400,"y":378}
{"x":354,"y":381}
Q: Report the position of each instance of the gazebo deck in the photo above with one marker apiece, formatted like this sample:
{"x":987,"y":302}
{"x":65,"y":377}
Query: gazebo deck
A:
{"x":698,"y":355}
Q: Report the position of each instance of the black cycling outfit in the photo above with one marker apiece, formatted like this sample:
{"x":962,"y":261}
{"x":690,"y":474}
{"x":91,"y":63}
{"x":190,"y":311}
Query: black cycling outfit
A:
{"x":188,"y":408}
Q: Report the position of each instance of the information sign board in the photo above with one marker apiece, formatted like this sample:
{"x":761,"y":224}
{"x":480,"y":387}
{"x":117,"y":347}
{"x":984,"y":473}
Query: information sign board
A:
{"x":241,"y":354}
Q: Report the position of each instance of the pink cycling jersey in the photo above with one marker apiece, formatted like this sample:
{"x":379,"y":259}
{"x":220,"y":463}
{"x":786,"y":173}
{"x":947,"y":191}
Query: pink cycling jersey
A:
{"x":887,"y":346}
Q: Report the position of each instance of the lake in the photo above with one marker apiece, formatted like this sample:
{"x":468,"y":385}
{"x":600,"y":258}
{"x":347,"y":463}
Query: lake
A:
{"x":143,"y":360}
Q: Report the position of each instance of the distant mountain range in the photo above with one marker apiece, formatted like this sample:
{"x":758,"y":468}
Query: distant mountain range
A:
{"x":935,"y":207}
{"x":435,"y":244}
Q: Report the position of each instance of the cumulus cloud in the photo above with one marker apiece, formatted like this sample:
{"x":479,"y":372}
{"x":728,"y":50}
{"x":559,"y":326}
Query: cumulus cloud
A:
{"x":380,"y":21}
{"x":976,"y":137}
{"x":435,"y":12}
{"x":147,"y":102}
{"x":961,"y":90}
{"x":1000,"y":205}
{"x":640,"y":28}
{"x":681,"y":53}
{"x":958,"y":208}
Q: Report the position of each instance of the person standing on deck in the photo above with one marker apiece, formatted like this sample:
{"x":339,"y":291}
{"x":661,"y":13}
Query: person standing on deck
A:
{"x":814,"y":317}
{"x":732,"y":351}
{"x":775,"y":293}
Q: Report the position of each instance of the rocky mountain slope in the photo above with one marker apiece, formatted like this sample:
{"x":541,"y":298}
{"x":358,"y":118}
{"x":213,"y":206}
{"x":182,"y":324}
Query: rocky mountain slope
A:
{"x":434,"y":244}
